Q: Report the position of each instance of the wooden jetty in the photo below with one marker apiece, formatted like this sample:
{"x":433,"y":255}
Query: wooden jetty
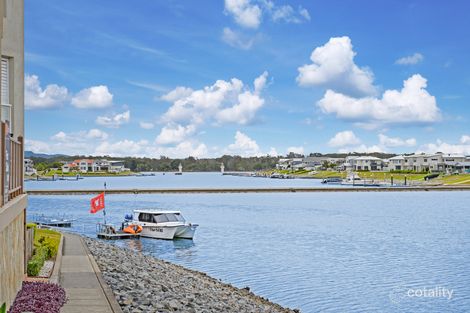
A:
{"x":117,"y":235}
{"x":109,"y":232}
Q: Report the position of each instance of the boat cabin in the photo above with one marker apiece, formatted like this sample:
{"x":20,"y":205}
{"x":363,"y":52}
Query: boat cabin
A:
{"x":159,"y":217}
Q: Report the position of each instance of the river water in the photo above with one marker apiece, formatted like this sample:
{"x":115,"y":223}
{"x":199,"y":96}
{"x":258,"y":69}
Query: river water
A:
{"x":319,"y":252}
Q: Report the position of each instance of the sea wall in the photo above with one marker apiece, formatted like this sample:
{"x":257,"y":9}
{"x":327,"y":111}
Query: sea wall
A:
{"x":142,"y":283}
{"x":245,"y":190}
{"x":12,"y":241}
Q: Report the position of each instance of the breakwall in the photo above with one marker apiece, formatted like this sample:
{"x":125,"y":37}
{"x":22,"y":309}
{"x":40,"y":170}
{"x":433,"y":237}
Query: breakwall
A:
{"x":246,"y":190}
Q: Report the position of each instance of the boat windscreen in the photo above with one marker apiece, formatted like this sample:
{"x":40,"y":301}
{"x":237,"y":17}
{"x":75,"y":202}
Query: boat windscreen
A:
{"x":160,"y":218}
{"x":180,"y":218}
{"x":171,"y":217}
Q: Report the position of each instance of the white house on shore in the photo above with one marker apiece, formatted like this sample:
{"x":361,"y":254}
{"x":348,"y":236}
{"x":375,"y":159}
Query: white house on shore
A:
{"x":29,"y":167}
{"x":91,"y":165}
{"x":420,"y":162}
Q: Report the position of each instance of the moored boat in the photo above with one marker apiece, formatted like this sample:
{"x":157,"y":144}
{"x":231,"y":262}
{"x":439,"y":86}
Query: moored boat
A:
{"x":161,"y":224}
{"x":354,"y":180}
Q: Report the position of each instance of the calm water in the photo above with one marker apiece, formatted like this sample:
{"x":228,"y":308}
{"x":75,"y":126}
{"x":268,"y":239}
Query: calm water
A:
{"x":341,"y":252}
{"x":169,"y":180}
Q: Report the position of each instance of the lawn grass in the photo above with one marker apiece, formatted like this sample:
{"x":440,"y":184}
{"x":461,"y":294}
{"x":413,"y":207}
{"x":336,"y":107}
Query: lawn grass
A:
{"x":326,"y":174}
{"x":461,"y":179}
{"x":386,"y":176}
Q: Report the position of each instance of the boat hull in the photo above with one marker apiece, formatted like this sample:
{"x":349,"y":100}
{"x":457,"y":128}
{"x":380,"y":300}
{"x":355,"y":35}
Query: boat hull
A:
{"x":186,"y":231}
{"x":159,"y":232}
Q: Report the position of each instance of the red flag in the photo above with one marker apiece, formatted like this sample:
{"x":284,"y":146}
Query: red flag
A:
{"x":97,"y":203}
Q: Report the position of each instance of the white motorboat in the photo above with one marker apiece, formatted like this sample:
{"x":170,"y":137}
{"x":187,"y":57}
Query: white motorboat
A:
{"x":161,"y":224}
{"x":354,"y":180}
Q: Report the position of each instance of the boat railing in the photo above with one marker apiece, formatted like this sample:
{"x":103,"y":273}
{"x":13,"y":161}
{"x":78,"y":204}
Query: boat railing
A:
{"x":102,"y":228}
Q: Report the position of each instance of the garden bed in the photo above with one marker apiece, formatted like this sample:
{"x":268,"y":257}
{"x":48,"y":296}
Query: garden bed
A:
{"x":39,"y":297}
{"x":46,"y":246}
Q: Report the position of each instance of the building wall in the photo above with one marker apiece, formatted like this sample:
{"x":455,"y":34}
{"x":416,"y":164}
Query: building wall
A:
{"x":12,"y":258}
{"x":12,"y":214}
{"x":12,"y":46}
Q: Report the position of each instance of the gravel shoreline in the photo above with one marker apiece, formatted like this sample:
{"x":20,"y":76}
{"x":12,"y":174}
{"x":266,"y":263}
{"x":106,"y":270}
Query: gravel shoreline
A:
{"x":142,"y":283}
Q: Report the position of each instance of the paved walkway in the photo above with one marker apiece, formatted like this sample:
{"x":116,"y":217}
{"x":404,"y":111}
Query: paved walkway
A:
{"x":82,"y":280}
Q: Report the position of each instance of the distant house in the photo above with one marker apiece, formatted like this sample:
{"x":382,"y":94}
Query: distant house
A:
{"x":117,"y":167}
{"x":29,"y":167}
{"x":69,"y":167}
{"x":396,"y":163}
{"x":368,"y":163}
{"x":92,"y":166}
{"x":283,"y":164}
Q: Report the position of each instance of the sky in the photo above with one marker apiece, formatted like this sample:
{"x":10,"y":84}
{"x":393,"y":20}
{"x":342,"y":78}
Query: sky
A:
{"x":246,"y":77}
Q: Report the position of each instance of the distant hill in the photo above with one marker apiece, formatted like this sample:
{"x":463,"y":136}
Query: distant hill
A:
{"x":31,"y":154}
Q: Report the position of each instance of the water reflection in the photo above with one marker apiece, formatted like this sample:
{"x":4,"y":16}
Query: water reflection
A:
{"x":134,"y":244}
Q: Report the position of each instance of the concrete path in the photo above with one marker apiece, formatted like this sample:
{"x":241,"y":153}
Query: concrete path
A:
{"x":81,"y":278}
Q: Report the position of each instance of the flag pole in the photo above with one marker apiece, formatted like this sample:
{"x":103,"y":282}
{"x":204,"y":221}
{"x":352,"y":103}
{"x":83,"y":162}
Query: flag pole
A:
{"x":104,"y":204}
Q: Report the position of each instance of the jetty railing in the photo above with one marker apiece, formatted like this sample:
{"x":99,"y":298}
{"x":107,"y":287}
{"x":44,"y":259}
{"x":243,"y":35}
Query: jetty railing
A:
{"x":12,"y":165}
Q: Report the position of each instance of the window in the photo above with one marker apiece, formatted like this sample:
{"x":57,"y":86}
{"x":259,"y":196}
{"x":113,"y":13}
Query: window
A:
{"x":5,"y":91}
{"x":171,"y":218}
{"x":179,"y":217}
{"x":145,"y":217}
{"x":160,"y":218}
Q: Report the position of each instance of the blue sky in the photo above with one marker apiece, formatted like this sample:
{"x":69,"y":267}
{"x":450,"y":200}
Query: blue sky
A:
{"x":207,"y":78}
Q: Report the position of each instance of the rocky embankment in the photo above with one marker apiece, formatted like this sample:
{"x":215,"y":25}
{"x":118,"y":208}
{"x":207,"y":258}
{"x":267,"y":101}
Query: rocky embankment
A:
{"x":142,"y":283}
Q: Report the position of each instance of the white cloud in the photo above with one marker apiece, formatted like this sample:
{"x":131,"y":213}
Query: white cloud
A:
{"x":286,"y":13}
{"x":93,"y":98}
{"x":304,"y":13}
{"x":114,"y":121}
{"x":223,"y":102}
{"x":333,"y":67}
{"x":60,"y":136}
{"x":243,"y":112}
{"x":362,"y":149}
{"x":412,"y":104}
{"x":297,"y":150}
{"x":38,"y":146}
{"x":344,"y":138}
{"x":273,"y":152}
{"x":182,"y":150}
{"x":244,"y":12}
{"x":243,"y":146}
{"x":37,"y":98}
{"x":146,"y":125}
{"x":249,"y":13}
{"x":465,"y":139}
{"x":177,"y":94}
{"x":81,"y":136}
{"x":174,"y":134}
{"x":441,"y":146}
{"x":96,"y":134}
{"x":410,"y":60}
{"x":260,"y":82}
{"x":121,"y":148}
{"x":237,"y":39}
{"x":396,"y":141}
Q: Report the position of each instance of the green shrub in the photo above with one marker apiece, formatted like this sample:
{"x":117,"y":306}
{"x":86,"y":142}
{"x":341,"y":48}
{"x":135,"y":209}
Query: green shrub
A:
{"x":31,"y":225}
{"x":48,"y":238}
{"x":3,"y":308}
{"x":37,"y":261}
